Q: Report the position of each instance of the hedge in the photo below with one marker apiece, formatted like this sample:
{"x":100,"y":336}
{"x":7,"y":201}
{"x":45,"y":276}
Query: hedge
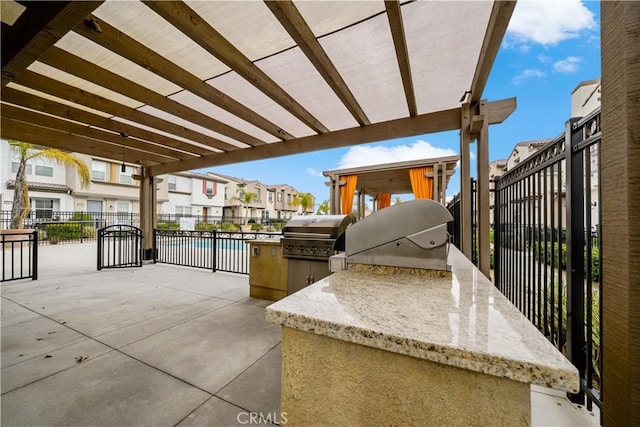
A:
{"x":69,"y":231}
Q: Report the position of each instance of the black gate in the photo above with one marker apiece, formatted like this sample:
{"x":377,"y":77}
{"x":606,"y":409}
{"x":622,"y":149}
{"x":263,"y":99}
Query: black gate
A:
{"x":119,"y":246}
{"x":19,"y":255}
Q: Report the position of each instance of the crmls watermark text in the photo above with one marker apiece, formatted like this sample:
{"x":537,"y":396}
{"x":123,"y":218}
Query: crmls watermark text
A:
{"x":262,"y":418}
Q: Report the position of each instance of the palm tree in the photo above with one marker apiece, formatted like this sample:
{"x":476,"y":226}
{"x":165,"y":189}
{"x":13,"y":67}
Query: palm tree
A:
{"x":397,"y":200}
{"x":20,"y":208}
{"x":245,"y":197}
{"x":304,"y":200}
{"x":324,"y":208}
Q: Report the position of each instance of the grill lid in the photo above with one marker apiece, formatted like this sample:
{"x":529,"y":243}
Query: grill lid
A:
{"x":316,"y":226}
{"x":410,"y":234}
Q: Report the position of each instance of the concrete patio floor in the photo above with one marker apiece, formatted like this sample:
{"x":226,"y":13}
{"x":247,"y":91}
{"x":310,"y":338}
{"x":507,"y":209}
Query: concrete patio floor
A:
{"x":153,"y":346}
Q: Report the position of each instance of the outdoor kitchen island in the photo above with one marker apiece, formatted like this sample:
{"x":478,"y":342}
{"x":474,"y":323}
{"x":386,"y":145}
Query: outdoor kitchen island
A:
{"x":378,"y":345}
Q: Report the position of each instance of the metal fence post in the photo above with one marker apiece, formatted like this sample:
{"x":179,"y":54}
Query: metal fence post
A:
{"x":496,"y":233}
{"x":576,"y":345}
{"x":214,"y":250}
{"x":34,"y":273}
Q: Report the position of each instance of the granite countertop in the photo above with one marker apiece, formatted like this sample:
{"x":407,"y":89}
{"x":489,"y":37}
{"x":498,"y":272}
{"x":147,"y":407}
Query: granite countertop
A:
{"x":461,"y":320}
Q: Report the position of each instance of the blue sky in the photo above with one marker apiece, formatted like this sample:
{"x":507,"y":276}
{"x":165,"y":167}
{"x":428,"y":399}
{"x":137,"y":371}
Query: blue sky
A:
{"x":550,"y":47}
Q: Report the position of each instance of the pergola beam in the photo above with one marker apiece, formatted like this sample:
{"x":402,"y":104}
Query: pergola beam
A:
{"x":78,"y":96}
{"x":292,"y":21}
{"x":39,"y":27}
{"x":65,"y":61}
{"x":27,"y":100}
{"x":394,"y":15}
{"x":439,"y":121}
{"x":27,"y":132}
{"x":496,"y":28}
{"x":127,"y":47}
{"x":200,"y":31}
{"x":39,"y":119}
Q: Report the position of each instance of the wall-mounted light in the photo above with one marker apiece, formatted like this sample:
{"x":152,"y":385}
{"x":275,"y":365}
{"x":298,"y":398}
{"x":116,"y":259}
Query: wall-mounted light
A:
{"x":123,"y":167}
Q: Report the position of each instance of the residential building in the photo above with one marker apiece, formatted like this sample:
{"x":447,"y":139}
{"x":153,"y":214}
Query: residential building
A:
{"x":191,"y":193}
{"x":523,"y":150}
{"x":496,"y":168}
{"x":585,"y":98}
{"x":210,"y":196}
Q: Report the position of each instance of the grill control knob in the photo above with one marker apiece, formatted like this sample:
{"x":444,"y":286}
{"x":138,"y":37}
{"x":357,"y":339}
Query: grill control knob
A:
{"x":325,"y":251}
{"x":288,"y":248}
{"x":313,"y":250}
{"x":300,"y":249}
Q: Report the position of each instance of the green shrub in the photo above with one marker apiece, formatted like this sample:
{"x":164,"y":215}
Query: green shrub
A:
{"x":229,"y":226}
{"x":206,"y":226}
{"x":168,"y":226}
{"x":256,"y":227}
{"x":60,"y":232}
{"x":81,"y":216}
{"x":541,"y":248}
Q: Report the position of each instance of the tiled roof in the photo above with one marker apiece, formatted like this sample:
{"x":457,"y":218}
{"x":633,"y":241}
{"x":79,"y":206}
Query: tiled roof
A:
{"x":44,"y":186}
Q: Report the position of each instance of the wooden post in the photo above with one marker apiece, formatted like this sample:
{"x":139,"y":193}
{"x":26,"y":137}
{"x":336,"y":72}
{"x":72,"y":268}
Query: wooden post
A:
{"x":620,"y":179}
{"x":465,"y":181}
{"x":483,"y":193}
{"x":148,"y":196}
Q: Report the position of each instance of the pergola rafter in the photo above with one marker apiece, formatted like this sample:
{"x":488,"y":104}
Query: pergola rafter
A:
{"x":191,"y":24}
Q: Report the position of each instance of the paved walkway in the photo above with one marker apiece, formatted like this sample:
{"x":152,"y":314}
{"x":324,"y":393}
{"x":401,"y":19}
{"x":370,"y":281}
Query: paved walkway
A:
{"x":153,"y":346}
{"x":158,"y":345}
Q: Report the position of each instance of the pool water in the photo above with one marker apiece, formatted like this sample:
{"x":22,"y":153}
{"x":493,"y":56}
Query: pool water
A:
{"x":234,"y":245}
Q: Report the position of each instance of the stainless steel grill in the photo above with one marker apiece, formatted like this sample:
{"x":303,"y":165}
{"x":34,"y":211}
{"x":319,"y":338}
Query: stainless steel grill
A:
{"x":313,"y":237}
{"x":410,"y":234}
{"x":307,"y":243}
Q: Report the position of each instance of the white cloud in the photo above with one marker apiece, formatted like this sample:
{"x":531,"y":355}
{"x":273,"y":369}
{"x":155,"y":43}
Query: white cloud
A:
{"x":312,"y":171}
{"x":548,"y":22}
{"x":373,"y":155}
{"x":544,"y":59}
{"x":569,"y":65}
{"x":529,"y":73}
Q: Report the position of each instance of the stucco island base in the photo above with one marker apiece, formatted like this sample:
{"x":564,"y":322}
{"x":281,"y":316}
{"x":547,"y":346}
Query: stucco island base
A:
{"x":332,"y":382}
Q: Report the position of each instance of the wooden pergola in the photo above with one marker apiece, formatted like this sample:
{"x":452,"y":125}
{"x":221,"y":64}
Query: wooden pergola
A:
{"x":199,"y":84}
{"x":391,"y":178}
{"x":173,"y":86}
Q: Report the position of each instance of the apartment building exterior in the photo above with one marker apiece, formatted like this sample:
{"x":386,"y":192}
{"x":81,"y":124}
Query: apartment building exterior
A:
{"x":115,"y":190}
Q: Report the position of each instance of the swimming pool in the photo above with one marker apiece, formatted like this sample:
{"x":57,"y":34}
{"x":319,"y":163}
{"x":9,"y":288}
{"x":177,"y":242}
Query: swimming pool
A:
{"x":226,"y":244}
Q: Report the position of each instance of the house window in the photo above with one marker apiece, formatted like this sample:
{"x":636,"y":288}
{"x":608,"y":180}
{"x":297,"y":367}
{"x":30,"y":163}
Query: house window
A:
{"x":16,"y":165}
{"x":125,"y":177}
{"x":257,"y":191}
{"x":44,"y":167}
{"x":209,"y":188}
{"x":98,"y":170}
{"x":172,"y":183}
{"x":183,"y":211}
{"x":44,"y":170}
{"x":288,"y":199}
{"x":270,"y":196}
{"x":225,"y":193}
{"x":122,"y":210}
{"x":279,"y":197}
{"x":43,"y":208}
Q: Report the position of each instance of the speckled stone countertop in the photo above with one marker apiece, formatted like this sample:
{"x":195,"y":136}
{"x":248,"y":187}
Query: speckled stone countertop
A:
{"x":461,"y":321}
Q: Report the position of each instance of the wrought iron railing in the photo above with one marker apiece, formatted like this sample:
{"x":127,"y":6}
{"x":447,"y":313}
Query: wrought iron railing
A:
{"x":119,"y":246}
{"x":19,"y":255}
{"x":453,"y":228}
{"x":58,"y":227}
{"x":213,"y":250}
{"x":547,"y":246}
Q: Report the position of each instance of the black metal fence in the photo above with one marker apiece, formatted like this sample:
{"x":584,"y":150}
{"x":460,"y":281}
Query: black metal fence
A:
{"x":58,"y":227}
{"x":453,"y":228}
{"x":547,"y":246}
{"x":213,"y":250}
{"x":19,"y":255}
{"x":119,"y":246}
